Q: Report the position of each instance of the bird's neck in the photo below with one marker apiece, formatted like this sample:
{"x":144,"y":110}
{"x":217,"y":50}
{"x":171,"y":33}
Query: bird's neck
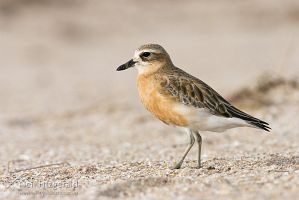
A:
{"x":148,"y":70}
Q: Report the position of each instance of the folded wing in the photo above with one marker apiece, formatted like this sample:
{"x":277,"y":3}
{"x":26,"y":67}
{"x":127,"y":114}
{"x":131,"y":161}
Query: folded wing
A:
{"x":193,"y":92}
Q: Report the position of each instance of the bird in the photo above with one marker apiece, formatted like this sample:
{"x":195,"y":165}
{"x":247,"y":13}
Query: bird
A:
{"x":182,"y":100}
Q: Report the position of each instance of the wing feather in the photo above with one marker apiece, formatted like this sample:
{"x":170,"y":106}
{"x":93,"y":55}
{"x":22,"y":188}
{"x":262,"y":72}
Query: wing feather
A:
{"x":193,"y":92}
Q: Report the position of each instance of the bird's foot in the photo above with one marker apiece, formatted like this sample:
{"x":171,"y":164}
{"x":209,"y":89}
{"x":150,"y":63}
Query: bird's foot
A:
{"x":177,"y":165}
{"x":198,"y":166}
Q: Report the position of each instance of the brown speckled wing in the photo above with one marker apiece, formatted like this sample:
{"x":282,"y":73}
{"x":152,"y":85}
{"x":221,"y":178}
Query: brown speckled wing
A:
{"x":191,"y":91}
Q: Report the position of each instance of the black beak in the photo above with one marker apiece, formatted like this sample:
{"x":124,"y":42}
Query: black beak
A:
{"x":127,"y":65}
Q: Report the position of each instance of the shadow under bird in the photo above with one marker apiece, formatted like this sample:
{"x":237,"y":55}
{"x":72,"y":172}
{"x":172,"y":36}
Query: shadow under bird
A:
{"x":182,"y":100}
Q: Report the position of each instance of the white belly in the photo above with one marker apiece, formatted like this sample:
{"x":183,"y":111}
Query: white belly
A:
{"x":200,"y":119}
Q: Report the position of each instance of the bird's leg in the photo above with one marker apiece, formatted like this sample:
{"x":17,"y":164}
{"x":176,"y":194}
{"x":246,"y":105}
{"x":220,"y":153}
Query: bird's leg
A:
{"x":199,"y":142}
{"x":192,"y":140}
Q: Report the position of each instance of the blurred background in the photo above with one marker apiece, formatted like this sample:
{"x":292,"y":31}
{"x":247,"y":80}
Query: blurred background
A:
{"x":62,"y":54}
{"x":61,"y":99}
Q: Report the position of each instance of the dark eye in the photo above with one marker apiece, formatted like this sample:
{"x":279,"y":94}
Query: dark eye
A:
{"x":145,"y":54}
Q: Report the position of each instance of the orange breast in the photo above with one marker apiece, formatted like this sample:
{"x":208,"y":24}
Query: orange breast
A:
{"x":162,"y":106}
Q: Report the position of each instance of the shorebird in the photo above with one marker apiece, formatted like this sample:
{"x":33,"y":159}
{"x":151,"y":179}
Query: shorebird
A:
{"x":182,"y":100}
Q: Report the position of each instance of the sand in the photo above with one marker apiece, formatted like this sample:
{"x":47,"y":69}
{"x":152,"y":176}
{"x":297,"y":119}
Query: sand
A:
{"x":72,"y":127}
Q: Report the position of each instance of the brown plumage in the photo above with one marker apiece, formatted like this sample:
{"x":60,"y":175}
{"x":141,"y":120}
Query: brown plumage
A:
{"x":189,"y":90}
{"x":180,"y":99}
{"x":150,"y":90}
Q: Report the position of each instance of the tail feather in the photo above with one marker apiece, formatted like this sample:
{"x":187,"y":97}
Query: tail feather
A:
{"x":248,"y":118}
{"x":260,"y":125}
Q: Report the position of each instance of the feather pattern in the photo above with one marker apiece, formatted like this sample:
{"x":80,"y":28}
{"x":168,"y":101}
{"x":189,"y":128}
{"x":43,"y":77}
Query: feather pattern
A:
{"x":191,"y":91}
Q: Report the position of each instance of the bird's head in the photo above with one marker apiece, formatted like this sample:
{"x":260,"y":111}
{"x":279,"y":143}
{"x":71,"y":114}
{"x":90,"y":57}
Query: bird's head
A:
{"x":147,"y":59}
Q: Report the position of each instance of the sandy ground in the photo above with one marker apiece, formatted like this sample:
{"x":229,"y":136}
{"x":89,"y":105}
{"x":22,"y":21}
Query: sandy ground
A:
{"x":72,"y":127}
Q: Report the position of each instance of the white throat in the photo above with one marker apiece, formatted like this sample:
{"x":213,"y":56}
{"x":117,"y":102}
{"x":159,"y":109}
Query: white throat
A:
{"x":142,"y":69}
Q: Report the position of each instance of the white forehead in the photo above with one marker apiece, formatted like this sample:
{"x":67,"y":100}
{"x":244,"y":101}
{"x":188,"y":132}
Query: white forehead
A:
{"x":137,"y":53}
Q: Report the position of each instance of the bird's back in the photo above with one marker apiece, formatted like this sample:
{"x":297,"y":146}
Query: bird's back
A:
{"x":194,"y":93}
